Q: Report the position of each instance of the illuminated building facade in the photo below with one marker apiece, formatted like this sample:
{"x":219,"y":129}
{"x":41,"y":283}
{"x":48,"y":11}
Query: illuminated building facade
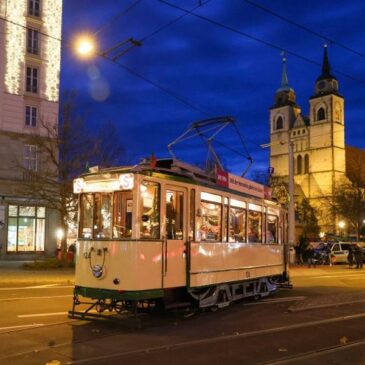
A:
{"x":30,"y":48}
{"x":318,"y":142}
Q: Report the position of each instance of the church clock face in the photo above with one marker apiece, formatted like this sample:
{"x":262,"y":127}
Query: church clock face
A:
{"x":321,"y":85}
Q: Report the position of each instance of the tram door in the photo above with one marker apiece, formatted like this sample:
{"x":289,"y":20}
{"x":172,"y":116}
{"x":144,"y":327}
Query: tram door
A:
{"x":175,"y":237}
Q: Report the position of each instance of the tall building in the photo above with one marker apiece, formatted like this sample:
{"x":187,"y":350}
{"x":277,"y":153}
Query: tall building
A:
{"x":318,"y":141}
{"x":30,"y":48}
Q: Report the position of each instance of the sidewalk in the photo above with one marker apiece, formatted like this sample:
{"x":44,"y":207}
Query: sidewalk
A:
{"x":12,"y":274}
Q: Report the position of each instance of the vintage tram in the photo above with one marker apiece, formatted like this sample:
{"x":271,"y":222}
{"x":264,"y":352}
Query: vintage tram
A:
{"x":168,"y":233}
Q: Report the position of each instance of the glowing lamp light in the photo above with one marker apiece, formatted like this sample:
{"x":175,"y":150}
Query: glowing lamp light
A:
{"x":59,"y":234}
{"x":85,"y":46}
{"x":341,"y":224}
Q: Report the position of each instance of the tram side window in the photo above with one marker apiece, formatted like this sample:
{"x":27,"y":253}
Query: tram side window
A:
{"x":254,"y":226}
{"x":122,"y":217}
{"x":86,"y":219}
{"x":272,"y":229}
{"x":103,"y":215}
{"x":211,"y":221}
{"x":174,"y":215}
{"x":237,"y":225}
{"x":150,"y":210}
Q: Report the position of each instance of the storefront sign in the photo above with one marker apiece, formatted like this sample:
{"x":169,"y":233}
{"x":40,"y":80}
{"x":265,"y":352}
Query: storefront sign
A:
{"x":242,"y":185}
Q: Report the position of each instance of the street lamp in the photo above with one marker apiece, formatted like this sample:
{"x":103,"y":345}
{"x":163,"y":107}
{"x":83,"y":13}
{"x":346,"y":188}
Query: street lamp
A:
{"x":341,"y":225}
{"x":85,"y":46}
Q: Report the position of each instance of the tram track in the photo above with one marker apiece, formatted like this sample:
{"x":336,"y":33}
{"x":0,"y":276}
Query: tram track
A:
{"x":149,"y":350}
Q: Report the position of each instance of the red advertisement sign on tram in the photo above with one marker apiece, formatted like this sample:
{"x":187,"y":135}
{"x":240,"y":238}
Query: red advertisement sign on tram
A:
{"x":224,"y":178}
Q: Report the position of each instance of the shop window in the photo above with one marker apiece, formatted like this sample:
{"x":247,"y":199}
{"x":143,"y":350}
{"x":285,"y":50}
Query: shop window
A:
{"x":174,"y":215}
{"x":26,"y":228}
{"x":272,"y":229}
{"x":254,"y":224}
{"x":150,"y":210}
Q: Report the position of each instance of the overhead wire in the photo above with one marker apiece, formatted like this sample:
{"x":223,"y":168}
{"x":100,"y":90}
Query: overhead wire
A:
{"x":256,"y":39}
{"x":311,"y":31}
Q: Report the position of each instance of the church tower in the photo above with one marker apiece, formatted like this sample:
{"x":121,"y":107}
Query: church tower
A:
{"x":327,"y":141}
{"x":282,"y":116}
{"x":318,"y":141}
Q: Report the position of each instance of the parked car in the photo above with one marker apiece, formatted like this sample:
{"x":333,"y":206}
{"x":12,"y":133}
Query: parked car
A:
{"x":340,"y":250}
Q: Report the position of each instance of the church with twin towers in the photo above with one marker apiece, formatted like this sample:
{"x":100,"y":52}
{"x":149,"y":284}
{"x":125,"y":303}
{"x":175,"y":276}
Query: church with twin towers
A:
{"x":318,"y":142}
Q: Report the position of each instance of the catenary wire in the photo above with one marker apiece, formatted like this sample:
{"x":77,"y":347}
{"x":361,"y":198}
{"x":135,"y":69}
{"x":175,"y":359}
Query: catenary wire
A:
{"x":115,"y":17}
{"x":311,"y":31}
{"x":254,"y":38}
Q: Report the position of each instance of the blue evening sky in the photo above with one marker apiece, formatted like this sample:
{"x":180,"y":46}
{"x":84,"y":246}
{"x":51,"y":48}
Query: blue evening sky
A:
{"x":214,"y":69}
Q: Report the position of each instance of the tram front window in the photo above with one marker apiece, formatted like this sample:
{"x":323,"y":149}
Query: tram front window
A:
{"x":86,"y":219}
{"x":150,"y":210}
{"x":103,"y":215}
{"x":122,"y":218}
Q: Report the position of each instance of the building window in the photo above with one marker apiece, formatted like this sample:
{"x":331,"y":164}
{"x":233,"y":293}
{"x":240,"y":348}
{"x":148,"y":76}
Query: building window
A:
{"x":279,"y":123}
{"x":31,"y":116}
{"x":299,"y":164}
{"x":321,"y":115}
{"x":33,"y":41}
{"x":306,"y":164}
{"x":32,"y":80}
{"x":34,"y":7}
{"x":31,"y":158}
{"x":26,"y":228}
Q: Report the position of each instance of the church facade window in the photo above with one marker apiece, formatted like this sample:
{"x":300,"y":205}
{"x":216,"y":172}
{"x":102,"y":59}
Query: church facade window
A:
{"x":306,"y":164}
{"x":299,"y":165}
{"x":279,"y":123}
{"x":321,"y":114}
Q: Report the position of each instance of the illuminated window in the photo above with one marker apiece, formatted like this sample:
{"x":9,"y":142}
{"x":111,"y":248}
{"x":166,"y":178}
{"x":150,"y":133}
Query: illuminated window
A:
{"x":33,"y":41}
{"x":122,"y":217}
{"x":31,"y":116}
{"x":272,"y":229}
{"x":174,"y":215}
{"x":254,"y":224}
{"x":211,"y":221}
{"x":321,"y":115}
{"x":150,"y":210}
{"x":26,"y":228}
{"x":237,"y":225}
{"x":32,"y":80}
{"x":31,"y":157}
{"x":34,"y":7}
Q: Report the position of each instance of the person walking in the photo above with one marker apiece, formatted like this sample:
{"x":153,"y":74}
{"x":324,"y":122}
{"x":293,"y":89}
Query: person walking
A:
{"x":310,"y":256}
{"x":358,"y":257}
{"x":350,"y":257}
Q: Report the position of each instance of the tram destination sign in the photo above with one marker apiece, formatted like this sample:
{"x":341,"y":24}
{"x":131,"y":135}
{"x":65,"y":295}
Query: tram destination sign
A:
{"x":238,"y":183}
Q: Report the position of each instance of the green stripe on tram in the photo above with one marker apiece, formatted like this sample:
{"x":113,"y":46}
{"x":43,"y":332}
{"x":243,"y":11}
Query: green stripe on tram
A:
{"x":118,"y":295}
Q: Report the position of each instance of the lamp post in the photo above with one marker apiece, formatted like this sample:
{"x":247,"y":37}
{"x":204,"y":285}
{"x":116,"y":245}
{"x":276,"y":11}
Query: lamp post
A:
{"x":341,"y":225}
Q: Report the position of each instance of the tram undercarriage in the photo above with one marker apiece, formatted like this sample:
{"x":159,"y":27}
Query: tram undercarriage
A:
{"x":213,"y":297}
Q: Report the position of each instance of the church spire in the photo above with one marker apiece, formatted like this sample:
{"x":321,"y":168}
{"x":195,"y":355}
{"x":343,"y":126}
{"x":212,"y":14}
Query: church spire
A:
{"x":326,"y":68}
{"x":285,"y":95}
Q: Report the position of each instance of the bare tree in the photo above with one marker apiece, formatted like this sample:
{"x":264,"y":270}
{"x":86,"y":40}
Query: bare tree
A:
{"x":64,"y":152}
{"x":348,"y":199}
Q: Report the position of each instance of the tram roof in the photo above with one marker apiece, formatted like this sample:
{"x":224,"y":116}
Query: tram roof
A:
{"x":165,"y":168}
